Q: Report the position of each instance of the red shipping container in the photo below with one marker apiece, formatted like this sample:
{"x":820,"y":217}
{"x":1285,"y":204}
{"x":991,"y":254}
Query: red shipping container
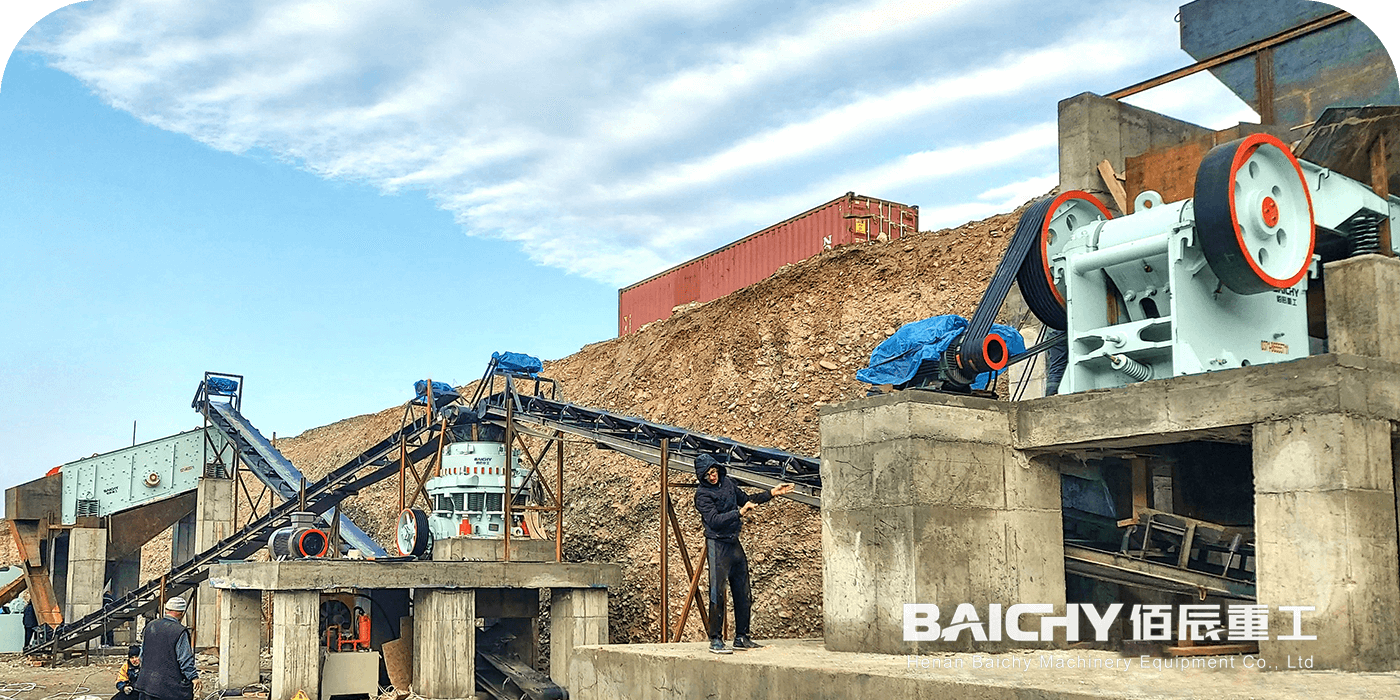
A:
{"x":848,"y":219}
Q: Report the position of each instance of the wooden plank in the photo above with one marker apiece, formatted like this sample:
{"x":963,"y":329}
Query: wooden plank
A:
{"x":1187,"y":541}
{"x":1380,"y":184}
{"x":1141,"y":480}
{"x":1115,"y":188}
{"x":1264,"y":85}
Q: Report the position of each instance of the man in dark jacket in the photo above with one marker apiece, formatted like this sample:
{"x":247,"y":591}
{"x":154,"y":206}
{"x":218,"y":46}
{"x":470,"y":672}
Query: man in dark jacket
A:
{"x":30,"y":621}
{"x":167,"y":659}
{"x":722,"y":505}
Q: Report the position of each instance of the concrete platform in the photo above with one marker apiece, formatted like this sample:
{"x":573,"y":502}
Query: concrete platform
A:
{"x":793,"y":669}
{"x":323,"y":575}
{"x":447,"y":599}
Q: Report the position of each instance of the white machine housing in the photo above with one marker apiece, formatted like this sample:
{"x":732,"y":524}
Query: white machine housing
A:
{"x":468,"y":495}
{"x":1181,"y":318}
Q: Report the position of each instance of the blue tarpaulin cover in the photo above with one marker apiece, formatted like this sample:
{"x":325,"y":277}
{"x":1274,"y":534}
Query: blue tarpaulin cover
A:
{"x":517,"y":363}
{"x":221,"y":385}
{"x":897,"y":359}
{"x":440,"y":390}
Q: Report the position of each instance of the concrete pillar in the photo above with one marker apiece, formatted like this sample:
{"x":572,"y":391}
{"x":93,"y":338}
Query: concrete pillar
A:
{"x":444,"y":643}
{"x":296,"y":644}
{"x":577,"y":617}
{"x":240,"y":637}
{"x":1325,"y":532}
{"x":87,"y":570}
{"x":1361,"y":318}
{"x":213,"y":522}
{"x":1094,"y":128}
{"x":925,"y":501}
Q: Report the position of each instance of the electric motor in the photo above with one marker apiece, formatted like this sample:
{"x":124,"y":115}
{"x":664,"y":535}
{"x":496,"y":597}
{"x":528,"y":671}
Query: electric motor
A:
{"x":300,"y":540}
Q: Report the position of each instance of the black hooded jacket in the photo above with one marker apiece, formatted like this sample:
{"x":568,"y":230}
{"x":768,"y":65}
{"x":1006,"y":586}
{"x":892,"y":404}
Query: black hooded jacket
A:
{"x":719,"y":503}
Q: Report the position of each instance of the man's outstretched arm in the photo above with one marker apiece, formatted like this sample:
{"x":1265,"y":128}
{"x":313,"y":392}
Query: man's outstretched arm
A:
{"x":753,"y":500}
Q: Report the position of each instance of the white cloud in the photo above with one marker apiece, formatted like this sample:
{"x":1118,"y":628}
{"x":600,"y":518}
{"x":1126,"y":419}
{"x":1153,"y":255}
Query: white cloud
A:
{"x":609,"y":139}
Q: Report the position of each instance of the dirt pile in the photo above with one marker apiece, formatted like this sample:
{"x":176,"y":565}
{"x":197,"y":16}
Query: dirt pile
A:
{"x":753,"y":366}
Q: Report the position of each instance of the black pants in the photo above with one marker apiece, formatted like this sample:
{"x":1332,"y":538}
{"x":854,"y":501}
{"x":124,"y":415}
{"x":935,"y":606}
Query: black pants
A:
{"x":728,"y":563}
{"x":1056,"y":362}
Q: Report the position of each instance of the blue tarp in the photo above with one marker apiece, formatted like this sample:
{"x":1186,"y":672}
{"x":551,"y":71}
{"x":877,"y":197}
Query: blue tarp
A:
{"x":897,"y":359}
{"x":440,"y":390}
{"x":221,"y":385}
{"x":517,"y":363}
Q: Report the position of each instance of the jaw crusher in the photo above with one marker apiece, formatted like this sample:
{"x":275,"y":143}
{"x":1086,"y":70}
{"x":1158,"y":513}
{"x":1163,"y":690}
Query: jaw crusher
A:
{"x":1204,"y":284}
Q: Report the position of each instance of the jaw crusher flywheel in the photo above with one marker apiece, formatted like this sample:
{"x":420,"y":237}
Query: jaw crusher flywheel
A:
{"x":1254,"y":215}
{"x":1055,"y":218}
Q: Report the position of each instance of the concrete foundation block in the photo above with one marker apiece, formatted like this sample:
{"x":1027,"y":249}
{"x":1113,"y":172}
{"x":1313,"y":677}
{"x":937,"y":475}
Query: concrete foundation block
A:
{"x":886,"y":418}
{"x":966,"y":474}
{"x":803,"y":670}
{"x":983,"y":556}
{"x":1094,"y":128}
{"x":1369,"y":386}
{"x":577,"y":617}
{"x":891,"y":478}
{"x":296,"y":644}
{"x":849,"y":470}
{"x":240,"y":637}
{"x":960,"y":419}
{"x":1325,"y":524}
{"x":908,"y":518}
{"x":579,"y":602}
{"x":1032,"y":483}
{"x":842,"y":427}
{"x":444,"y":643}
{"x":492,"y":549}
{"x":1323,"y":453}
{"x":848,"y":620}
{"x":1357,"y":322}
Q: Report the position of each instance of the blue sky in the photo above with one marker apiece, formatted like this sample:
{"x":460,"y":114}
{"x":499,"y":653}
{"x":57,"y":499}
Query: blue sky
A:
{"x":338,"y":198}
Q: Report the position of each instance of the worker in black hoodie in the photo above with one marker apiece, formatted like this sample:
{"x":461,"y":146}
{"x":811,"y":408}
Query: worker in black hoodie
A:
{"x":722,"y":505}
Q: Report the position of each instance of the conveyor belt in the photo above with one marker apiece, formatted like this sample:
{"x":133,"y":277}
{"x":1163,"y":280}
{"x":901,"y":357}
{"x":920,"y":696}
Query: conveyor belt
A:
{"x":1131,"y":571}
{"x":635,"y":437}
{"x":272,"y":468}
{"x":371,"y":466}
